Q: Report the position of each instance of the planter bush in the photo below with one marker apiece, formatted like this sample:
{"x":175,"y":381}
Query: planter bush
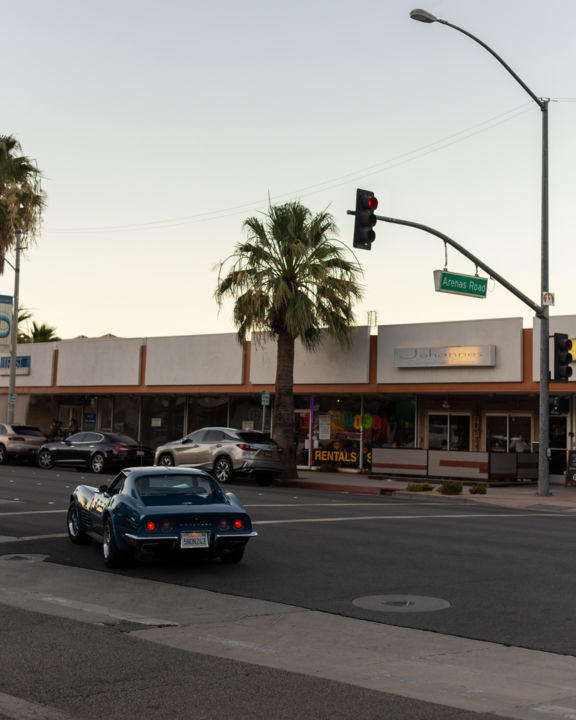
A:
{"x":478,"y":489}
{"x":450,"y":487}
{"x":419,"y":487}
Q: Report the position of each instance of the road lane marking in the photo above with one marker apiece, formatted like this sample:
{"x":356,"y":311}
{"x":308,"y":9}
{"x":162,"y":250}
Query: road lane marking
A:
{"x":18,"y":709}
{"x":31,"y":512}
{"x":408,"y":517}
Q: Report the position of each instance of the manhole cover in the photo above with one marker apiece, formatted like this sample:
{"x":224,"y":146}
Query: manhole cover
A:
{"x":401,"y":603}
{"x":22,"y":558}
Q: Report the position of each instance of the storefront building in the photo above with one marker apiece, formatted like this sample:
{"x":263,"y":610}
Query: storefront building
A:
{"x":397,"y":401}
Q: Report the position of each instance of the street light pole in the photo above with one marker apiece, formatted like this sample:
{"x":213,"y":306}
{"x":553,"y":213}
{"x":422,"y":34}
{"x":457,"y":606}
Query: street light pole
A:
{"x":14,"y":338}
{"x":544,"y":417}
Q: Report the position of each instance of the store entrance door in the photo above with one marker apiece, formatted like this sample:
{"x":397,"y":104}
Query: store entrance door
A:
{"x":302,"y":434}
{"x":558,"y":447}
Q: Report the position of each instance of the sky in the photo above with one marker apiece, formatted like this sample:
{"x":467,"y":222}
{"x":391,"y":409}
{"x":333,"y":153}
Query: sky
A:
{"x":159,"y":126}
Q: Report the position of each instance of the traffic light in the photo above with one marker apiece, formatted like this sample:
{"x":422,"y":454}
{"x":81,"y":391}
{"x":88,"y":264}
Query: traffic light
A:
{"x":365,"y":219}
{"x":562,"y":357}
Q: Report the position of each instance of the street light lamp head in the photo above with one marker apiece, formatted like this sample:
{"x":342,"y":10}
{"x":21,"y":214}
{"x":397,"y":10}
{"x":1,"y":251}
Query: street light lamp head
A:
{"x":423,"y":16}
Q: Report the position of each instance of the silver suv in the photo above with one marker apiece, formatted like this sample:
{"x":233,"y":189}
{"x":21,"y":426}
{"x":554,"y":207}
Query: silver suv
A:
{"x":20,"y":442}
{"x":225,"y":452}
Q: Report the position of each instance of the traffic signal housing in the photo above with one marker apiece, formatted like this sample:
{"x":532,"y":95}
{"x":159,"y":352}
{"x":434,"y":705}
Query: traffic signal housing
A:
{"x":365,"y":219}
{"x":562,"y":357}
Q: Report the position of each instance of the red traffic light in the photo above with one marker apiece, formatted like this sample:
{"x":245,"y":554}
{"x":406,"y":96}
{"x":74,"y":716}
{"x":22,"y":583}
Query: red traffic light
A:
{"x":568,"y":345}
{"x":373,"y":203}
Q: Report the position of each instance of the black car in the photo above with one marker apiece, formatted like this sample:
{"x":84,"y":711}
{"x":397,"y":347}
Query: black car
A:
{"x":95,"y":450}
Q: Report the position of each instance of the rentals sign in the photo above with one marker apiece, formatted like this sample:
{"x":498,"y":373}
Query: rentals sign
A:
{"x":470,"y":285}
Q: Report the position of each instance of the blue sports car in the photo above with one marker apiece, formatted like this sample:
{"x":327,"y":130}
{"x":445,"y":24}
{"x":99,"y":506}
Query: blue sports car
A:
{"x":160,"y":509}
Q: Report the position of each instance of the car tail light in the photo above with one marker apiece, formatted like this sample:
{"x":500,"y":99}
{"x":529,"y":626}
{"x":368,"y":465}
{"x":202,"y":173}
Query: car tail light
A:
{"x":16,"y":438}
{"x":166,"y":525}
{"x":223,"y":524}
{"x":238,"y":524}
{"x":150,"y":526}
{"x":121,"y":448}
{"x":249,"y":448}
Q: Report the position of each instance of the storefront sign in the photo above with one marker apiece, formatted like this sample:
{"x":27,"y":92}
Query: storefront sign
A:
{"x":451,"y":356}
{"x":23,"y":365}
{"x":458,"y":284}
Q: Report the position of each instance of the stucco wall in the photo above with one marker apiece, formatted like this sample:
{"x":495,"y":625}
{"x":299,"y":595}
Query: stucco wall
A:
{"x":41,"y":365}
{"x":194,"y":360}
{"x":99,"y":361}
{"x":330,"y":363}
{"x":504,"y":334}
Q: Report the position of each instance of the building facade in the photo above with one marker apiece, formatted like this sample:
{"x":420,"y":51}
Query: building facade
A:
{"x":466,"y":388}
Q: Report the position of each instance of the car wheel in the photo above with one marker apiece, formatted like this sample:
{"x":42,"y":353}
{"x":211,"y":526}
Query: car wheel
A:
{"x":97,"y":463}
{"x":232,"y":556}
{"x":45,"y":459}
{"x":113,"y":556}
{"x":3,"y":455}
{"x":76,"y":535}
{"x":166,"y":460}
{"x":223,"y":470}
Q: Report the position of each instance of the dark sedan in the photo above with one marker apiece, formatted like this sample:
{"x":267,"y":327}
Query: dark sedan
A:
{"x":96,"y":451}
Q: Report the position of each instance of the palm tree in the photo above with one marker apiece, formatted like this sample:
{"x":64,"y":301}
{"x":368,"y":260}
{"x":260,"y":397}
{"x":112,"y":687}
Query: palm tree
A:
{"x":21,"y":196}
{"x":290,"y":280}
{"x":39,"y":333}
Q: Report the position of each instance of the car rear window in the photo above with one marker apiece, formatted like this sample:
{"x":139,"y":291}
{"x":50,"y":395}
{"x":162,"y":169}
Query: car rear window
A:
{"x":126,"y":439}
{"x":172,"y":488}
{"x":256,"y":437}
{"x":27,"y":430}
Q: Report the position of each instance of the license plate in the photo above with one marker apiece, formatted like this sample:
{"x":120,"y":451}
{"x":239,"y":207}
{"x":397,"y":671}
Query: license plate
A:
{"x":194,"y":539}
{"x":268,"y":454}
{"x":140,"y":452}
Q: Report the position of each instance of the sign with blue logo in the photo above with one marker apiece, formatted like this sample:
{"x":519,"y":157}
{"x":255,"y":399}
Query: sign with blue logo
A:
{"x":23,"y":364}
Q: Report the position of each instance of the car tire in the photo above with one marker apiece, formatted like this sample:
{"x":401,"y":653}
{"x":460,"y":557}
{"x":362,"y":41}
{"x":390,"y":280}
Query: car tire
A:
{"x":3,"y":455}
{"x":232,"y":556}
{"x":166,"y":460}
{"x":223,"y":470}
{"x":45,"y":460}
{"x":113,"y":556}
{"x":97,"y":463}
{"x":76,"y":535}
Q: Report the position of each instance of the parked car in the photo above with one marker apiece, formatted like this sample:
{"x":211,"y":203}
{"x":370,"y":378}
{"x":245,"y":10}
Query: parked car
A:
{"x":155,"y":510}
{"x":225,"y":452}
{"x":20,"y":442}
{"x":97,"y":451}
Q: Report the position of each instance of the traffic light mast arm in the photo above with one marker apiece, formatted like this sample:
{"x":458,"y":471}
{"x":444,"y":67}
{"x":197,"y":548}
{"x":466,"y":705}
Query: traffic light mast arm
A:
{"x":538,"y":309}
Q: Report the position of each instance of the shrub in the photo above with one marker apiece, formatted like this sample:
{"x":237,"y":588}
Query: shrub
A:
{"x":419,"y":487}
{"x":450,"y":487}
{"x":478,"y":489}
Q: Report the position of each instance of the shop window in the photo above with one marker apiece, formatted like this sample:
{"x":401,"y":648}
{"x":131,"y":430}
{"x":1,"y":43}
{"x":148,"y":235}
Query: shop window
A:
{"x":448,"y":431}
{"x":508,"y":433}
{"x":207,"y":410}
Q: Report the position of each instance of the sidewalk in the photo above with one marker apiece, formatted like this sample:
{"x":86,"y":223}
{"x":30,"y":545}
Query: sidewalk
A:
{"x":523,"y":497}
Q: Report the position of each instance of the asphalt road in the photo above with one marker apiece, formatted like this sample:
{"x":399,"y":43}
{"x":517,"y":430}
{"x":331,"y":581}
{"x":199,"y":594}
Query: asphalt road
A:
{"x":509,"y":576}
{"x":505,"y":577}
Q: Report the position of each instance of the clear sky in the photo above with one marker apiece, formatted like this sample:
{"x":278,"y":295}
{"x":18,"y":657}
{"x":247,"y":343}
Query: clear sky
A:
{"x":160,"y":125}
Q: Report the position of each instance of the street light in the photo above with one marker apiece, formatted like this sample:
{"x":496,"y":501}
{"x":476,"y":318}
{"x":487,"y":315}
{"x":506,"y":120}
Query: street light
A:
{"x":544,"y":419}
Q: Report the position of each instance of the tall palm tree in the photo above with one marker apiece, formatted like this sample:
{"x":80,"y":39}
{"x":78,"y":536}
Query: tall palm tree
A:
{"x":290,"y":280}
{"x":21,"y":196}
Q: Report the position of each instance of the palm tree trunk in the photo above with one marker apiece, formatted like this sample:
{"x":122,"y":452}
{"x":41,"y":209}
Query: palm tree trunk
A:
{"x":283,"y":412}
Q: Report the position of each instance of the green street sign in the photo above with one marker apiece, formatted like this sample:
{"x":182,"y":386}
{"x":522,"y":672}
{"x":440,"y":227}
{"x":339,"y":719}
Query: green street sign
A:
{"x":458,"y":284}
{"x":265,"y":397}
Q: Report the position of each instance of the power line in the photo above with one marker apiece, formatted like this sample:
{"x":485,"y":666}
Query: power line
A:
{"x":316,"y":188}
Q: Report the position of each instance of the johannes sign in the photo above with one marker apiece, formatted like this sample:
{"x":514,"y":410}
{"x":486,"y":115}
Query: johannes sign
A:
{"x":470,"y":285}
